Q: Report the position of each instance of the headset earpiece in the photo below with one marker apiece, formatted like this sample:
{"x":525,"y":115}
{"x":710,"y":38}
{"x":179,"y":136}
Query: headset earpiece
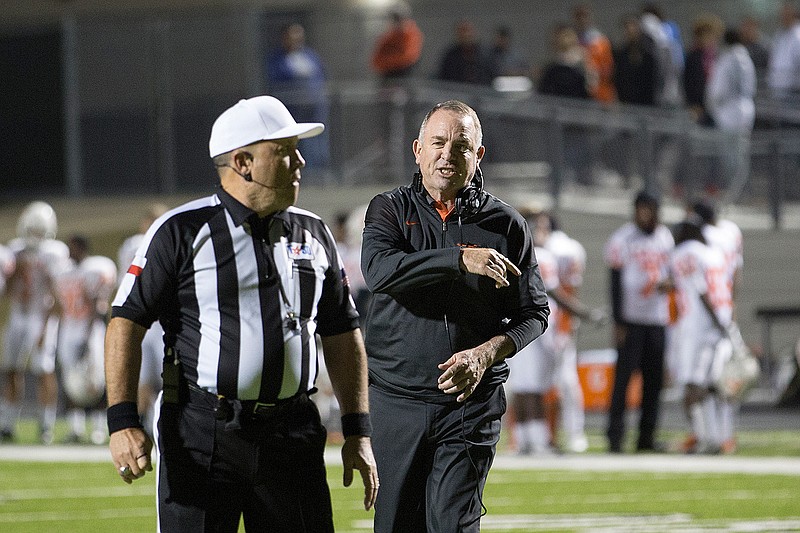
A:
{"x":468,"y":200}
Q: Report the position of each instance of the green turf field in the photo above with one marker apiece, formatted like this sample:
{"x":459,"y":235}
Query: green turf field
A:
{"x":89,"y":497}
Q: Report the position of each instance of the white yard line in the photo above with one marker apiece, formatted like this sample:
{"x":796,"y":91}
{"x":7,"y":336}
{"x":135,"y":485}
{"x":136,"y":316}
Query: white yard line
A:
{"x":653,"y":463}
{"x":588,"y":462}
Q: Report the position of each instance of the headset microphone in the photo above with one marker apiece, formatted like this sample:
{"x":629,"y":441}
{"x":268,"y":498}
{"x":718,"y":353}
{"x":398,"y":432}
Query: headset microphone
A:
{"x":248,"y":177}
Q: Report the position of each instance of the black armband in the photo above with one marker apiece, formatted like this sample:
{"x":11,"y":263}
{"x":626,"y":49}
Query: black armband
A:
{"x":122,"y":416}
{"x":356,"y":424}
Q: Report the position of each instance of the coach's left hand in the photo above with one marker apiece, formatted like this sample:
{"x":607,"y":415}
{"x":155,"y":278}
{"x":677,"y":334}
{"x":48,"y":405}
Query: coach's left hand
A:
{"x":464,"y":370}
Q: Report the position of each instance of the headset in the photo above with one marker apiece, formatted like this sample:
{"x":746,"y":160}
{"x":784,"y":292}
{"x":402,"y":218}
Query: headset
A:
{"x":468,"y":200}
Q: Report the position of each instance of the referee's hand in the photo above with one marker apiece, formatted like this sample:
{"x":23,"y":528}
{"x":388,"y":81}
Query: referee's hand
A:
{"x":357,"y":453}
{"x":130,"y":452}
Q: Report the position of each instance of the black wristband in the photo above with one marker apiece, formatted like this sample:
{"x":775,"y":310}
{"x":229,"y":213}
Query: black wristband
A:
{"x":356,"y":424}
{"x":122,"y":416}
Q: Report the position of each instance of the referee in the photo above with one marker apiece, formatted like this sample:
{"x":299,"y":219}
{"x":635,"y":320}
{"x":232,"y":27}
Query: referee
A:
{"x":241,"y":282}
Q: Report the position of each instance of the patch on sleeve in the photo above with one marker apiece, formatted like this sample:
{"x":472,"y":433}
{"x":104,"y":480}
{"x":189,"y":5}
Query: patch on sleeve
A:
{"x":137,"y":265}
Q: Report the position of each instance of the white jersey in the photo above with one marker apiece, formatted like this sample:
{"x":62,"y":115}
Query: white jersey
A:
{"x":698,"y":270}
{"x":643,"y":260}
{"x":351,"y":262}
{"x":85,"y":289}
{"x":726,"y":236}
{"x":533,"y":368}
{"x":30,"y":287}
{"x":7,"y":263}
{"x":571,"y":258}
{"x":83,"y":292}
{"x":30,"y":290}
{"x":126,"y":253}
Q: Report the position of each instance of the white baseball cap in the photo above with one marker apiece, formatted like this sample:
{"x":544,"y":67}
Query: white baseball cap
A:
{"x":261,"y":118}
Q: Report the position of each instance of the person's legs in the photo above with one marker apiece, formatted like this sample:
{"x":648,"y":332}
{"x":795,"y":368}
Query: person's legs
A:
{"x":628,"y":357}
{"x":17,"y":343}
{"x":48,"y":404}
{"x":466,"y":437}
{"x":532,"y":374}
{"x":569,"y":387}
{"x":530,"y":430}
{"x":652,"y":365}
{"x":10,"y":408}
{"x":290,"y":490}
{"x":187,"y":500}
{"x":399,"y":429}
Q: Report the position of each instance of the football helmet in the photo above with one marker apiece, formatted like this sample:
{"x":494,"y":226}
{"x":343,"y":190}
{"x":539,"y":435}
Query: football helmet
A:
{"x":37,"y":223}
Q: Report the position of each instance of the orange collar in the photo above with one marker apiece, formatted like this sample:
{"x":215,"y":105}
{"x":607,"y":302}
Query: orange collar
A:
{"x":442,"y":209}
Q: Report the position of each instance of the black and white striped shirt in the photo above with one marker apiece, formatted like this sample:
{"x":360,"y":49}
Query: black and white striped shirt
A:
{"x":227,"y":286}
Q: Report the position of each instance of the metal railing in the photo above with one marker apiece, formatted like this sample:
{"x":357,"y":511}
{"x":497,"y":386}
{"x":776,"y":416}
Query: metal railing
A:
{"x":539,"y":142}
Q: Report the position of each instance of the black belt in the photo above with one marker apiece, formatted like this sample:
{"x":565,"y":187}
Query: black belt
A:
{"x":233,"y":411}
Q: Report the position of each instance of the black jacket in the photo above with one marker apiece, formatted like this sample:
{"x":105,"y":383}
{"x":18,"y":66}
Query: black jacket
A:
{"x":424,"y":308}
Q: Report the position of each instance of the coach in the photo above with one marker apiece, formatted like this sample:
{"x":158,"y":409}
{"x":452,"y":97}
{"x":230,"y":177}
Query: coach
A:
{"x":241,"y":282}
{"x":456,"y":291}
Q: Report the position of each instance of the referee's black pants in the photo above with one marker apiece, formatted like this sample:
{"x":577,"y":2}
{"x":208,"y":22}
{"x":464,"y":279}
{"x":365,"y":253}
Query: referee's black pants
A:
{"x":433,"y":460}
{"x":643,"y":348}
{"x":270,"y":472}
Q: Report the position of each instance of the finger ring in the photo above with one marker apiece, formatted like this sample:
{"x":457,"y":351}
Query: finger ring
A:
{"x":143,"y":455}
{"x":124,"y":470}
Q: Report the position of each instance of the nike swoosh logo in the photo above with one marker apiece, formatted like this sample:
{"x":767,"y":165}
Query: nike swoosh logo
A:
{"x":411,"y":223}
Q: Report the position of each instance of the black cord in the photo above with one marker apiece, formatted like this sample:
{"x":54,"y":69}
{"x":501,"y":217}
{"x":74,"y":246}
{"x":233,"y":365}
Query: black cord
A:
{"x":484,"y":510}
{"x":464,"y":439}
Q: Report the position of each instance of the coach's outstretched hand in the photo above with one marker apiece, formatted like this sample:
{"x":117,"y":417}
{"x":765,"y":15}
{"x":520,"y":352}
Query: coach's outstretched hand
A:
{"x":357,"y":453}
{"x":130,"y":452}
{"x":490,"y":263}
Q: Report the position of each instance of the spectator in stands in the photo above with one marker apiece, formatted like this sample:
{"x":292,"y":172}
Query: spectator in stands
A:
{"x":783,"y":75}
{"x":565,"y":75}
{"x":635,"y":83}
{"x":599,"y":55}
{"x":398,"y":49}
{"x":635,"y":65}
{"x":729,"y":100}
{"x":668,"y":51}
{"x":750,"y":34}
{"x":670,"y":165}
{"x":465,"y":61}
{"x":504,"y":58}
{"x":706,"y":32}
{"x":296,"y":76}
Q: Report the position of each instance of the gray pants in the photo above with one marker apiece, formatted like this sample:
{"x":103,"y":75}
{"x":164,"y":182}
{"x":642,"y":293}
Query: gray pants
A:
{"x":433,"y":460}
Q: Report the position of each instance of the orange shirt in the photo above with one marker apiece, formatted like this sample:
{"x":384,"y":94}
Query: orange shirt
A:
{"x":398,"y":49}
{"x":600,"y":59}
